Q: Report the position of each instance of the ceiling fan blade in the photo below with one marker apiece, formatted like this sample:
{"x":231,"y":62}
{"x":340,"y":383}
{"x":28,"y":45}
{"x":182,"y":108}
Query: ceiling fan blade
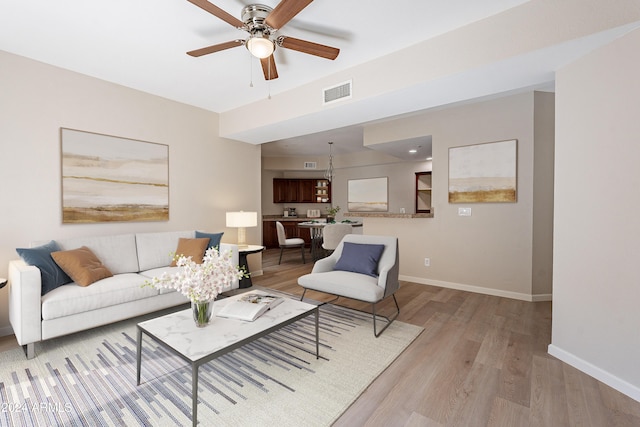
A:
{"x":215,"y":48}
{"x":269,"y":68}
{"x":284,"y":12}
{"x":216,"y":11}
{"x":308,"y":47}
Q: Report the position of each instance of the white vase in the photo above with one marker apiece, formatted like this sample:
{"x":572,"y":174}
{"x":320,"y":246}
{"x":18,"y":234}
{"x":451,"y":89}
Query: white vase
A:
{"x":202,"y":312}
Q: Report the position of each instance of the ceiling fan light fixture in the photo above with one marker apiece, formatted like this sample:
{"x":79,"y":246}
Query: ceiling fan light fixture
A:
{"x":262,"y":22}
{"x":260,"y":46}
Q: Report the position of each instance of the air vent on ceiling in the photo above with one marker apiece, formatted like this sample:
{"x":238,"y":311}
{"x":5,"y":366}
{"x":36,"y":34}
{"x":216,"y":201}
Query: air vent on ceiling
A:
{"x":337,"y":93}
{"x":310,"y":165}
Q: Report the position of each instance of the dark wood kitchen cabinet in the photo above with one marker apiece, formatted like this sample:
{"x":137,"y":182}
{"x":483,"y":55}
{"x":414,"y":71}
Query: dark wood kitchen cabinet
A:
{"x":294,"y":190}
{"x":286,"y":190}
{"x":423,"y":192}
{"x":307,"y":190}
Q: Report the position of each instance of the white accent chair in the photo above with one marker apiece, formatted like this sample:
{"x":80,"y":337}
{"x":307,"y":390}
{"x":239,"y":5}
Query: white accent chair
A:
{"x":291,"y":243}
{"x":358,"y":286}
{"x":332,"y":235}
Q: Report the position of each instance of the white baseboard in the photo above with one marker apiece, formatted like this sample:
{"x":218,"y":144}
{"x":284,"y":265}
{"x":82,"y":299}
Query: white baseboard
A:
{"x":600,"y":374}
{"x":478,"y":289}
{"x":541,"y":297}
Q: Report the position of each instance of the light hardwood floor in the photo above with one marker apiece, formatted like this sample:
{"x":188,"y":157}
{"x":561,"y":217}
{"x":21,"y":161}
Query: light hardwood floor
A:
{"x":481,"y":361}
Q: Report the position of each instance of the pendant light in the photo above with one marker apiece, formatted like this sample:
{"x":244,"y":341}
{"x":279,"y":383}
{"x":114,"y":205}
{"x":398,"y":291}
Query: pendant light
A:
{"x":328,"y":174}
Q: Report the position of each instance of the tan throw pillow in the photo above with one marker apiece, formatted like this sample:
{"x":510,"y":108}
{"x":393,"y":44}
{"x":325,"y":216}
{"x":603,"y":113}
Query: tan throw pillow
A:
{"x":81,"y":265}
{"x":193,"y":248}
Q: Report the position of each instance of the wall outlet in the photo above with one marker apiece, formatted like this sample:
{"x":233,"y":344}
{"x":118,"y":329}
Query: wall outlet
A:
{"x":427,"y":262}
{"x":464,"y":211}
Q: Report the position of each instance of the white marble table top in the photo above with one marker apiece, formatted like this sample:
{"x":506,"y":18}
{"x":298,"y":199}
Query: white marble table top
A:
{"x":178,"y":330}
{"x":251,"y":248}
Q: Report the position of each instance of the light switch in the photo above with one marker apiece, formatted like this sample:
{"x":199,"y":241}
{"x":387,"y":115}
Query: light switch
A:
{"x":464,"y":211}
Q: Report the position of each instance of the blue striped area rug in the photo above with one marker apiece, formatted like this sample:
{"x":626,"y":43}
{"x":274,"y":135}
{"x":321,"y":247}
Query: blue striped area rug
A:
{"x":89,"y":378}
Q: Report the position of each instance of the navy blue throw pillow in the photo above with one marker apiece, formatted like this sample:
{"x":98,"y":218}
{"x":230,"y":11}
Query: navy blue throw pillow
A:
{"x":51,"y":274}
{"x":360,"y":258}
{"x":214,"y":239}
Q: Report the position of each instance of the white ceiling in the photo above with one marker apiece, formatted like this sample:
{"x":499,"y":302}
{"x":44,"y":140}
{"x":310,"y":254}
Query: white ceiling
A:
{"x":142,"y":44}
{"x":346,"y":140}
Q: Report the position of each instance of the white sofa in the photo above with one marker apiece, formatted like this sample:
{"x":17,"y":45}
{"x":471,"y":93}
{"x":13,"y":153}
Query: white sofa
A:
{"x":132,"y":258}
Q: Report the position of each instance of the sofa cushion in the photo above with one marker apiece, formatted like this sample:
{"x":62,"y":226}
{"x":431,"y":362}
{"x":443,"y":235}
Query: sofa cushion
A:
{"x":360,"y":258}
{"x":191,"y":248}
{"x":344,"y":283}
{"x":70,"y":299}
{"x":157,"y":272}
{"x":155,"y":249}
{"x":214,"y":238}
{"x":81,"y":265}
{"x":117,"y":253}
{"x":51,"y":274}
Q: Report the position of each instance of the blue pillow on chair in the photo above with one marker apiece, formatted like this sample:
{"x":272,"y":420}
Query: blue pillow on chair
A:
{"x":360,"y":258}
{"x":214,"y":239}
{"x":52,"y":276}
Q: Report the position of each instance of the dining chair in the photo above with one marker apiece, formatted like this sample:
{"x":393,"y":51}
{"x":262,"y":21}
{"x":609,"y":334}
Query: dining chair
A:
{"x":288,"y":243}
{"x":332,"y":235}
{"x":364,"y":268}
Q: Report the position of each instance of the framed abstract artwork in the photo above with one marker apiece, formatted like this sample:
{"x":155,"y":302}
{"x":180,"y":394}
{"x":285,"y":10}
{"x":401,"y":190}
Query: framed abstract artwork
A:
{"x":483,"y":173}
{"x":107,"y":178}
{"x":368,"y":195}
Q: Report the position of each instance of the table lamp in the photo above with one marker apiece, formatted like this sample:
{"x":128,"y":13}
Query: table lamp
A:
{"x":241,"y":220}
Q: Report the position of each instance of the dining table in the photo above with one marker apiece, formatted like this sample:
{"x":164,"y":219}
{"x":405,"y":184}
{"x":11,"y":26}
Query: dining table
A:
{"x":315,"y":229}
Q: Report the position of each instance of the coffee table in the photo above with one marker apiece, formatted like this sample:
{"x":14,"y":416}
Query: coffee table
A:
{"x":196,"y":346}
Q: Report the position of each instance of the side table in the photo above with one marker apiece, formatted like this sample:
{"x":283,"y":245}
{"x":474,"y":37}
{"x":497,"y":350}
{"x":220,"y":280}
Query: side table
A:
{"x":245,"y":282}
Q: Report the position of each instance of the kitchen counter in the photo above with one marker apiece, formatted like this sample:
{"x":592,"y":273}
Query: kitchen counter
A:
{"x":288,"y":218}
{"x":388,"y":215}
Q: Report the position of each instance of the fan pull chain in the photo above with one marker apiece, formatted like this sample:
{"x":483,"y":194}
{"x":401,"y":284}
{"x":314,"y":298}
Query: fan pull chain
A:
{"x":250,"y":71}
{"x":269,"y":81}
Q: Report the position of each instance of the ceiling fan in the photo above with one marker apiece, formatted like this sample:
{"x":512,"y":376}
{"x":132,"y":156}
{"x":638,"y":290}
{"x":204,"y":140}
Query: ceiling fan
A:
{"x":262,"y":23}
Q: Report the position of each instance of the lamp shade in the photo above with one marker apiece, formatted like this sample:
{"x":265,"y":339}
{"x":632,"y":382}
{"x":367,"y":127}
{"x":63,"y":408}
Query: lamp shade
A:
{"x":242,"y":219}
{"x":260,"y":47}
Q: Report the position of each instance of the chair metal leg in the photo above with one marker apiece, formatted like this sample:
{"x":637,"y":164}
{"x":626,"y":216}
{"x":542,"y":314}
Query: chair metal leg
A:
{"x":337,"y":297}
{"x":375,"y":316}
{"x":389,"y":320}
{"x":280,"y":260}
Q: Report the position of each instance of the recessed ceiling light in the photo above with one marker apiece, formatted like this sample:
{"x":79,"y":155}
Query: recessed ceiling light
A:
{"x":429,"y":158}
{"x":413,"y":151}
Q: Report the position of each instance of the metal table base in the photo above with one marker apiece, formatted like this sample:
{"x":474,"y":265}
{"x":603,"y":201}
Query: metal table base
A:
{"x":195,"y":364}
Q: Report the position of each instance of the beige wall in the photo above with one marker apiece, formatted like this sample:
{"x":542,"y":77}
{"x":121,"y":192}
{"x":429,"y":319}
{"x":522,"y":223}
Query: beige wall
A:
{"x":596,"y":280}
{"x":543,"y":173}
{"x":478,"y":58}
{"x":401,"y":183}
{"x":365,"y":164}
{"x":493,"y":250}
{"x":208,"y":175}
